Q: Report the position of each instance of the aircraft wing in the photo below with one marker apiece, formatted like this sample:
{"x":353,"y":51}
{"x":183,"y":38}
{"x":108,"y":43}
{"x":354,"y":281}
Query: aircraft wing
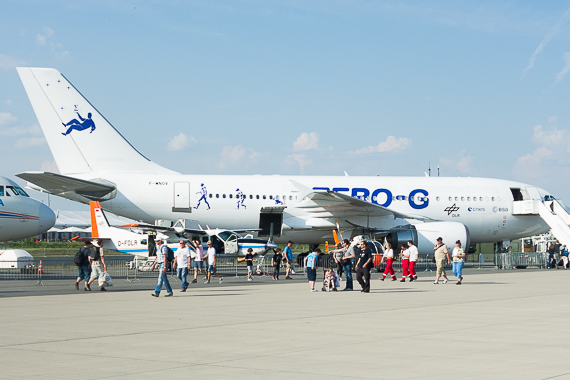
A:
{"x":152,"y":227}
{"x":58,"y":184}
{"x":341,"y":206}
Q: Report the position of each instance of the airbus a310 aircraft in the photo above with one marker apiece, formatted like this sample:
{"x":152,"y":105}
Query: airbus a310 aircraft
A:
{"x":97,"y":163}
{"x":20,"y":215}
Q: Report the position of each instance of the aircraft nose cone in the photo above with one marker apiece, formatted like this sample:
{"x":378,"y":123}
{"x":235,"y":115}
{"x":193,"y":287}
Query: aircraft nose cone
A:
{"x":46,"y":219}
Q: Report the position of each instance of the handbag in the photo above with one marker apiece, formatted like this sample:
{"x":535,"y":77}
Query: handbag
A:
{"x":105,"y":280}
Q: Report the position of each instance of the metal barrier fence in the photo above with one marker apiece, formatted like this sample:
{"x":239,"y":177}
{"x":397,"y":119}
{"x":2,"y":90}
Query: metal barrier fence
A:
{"x":125,"y":267}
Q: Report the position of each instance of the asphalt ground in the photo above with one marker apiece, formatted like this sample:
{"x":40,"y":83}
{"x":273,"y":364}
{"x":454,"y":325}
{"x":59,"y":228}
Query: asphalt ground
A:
{"x":497,"y":325}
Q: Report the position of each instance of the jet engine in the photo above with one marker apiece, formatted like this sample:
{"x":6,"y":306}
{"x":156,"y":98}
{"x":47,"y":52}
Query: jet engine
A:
{"x":424,"y":235}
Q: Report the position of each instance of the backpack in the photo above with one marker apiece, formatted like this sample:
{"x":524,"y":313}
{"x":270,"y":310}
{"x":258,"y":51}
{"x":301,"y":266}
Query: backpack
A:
{"x":78,"y":258}
{"x":169,"y":254}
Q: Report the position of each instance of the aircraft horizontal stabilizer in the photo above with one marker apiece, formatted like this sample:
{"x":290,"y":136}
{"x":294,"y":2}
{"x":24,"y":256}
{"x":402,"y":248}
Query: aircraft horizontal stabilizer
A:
{"x":58,"y":184}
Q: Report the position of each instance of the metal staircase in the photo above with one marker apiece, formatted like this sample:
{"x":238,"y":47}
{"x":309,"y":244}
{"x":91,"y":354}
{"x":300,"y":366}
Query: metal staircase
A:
{"x":551,"y":212}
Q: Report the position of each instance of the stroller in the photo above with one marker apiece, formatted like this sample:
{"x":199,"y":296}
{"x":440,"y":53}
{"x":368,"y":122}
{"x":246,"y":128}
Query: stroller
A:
{"x":331,"y":282}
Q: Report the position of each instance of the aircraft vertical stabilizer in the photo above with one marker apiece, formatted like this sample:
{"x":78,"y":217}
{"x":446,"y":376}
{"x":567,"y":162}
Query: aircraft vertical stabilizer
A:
{"x":99,"y":222}
{"x":80,"y":138}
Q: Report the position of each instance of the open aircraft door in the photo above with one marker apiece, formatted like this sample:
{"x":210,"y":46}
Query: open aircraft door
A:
{"x":181,"y":197}
{"x":271,"y":221}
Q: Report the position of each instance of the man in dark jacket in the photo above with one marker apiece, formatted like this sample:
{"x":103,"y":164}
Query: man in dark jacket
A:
{"x":83,"y":269}
{"x":363,"y":266}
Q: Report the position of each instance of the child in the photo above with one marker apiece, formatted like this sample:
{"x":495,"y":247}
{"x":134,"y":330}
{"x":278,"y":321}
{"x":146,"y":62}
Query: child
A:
{"x":249,"y":261}
{"x":330,"y":278}
{"x":276,"y":263}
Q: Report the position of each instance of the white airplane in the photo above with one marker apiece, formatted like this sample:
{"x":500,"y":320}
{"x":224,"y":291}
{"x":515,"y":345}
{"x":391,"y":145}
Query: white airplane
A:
{"x":20,"y":215}
{"x":136,"y":240}
{"x":97,"y":163}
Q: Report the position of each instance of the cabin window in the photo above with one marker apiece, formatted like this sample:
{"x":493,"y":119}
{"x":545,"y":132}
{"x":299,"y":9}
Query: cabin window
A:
{"x":264,"y":197}
{"x":210,"y":195}
{"x":277,"y":197}
{"x":462,"y":199}
{"x":271,"y":197}
{"x":250,"y":196}
{"x":437,"y":199}
{"x":493,"y":199}
{"x":1,"y":191}
{"x":217,"y":195}
{"x":231,"y":196}
{"x":468,"y":199}
{"x":290,"y":197}
{"x":450,"y":199}
{"x":257,"y":197}
{"x":481,"y":199}
{"x":475,"y":199}
{"x":223,"y":195}
{"x":143,"y":241}
{"x":498,"y":199}
{"x":456,"y":199}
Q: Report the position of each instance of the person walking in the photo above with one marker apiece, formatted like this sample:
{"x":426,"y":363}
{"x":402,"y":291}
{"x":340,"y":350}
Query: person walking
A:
{"x":83,"y":268}
{"x":413,"y":255}
{"x":211,"y":255}
{"x":458,"y":255}
{"x":98,"y":266}
{"x":388,"y":256}
{"x":182,"y":263}
{"x":363,"y":266}
{"x":338,"y":256}
{"x":198,"y":262}
{"x":249,"y":262}
{"x":441,"y":255}
{"x":161,"y":253}
{"x":288,"y":257}
{"x":551,"y":256}
{"x":405,"y":256}
{"x":276,"y":263}
{"x":310,"y":262}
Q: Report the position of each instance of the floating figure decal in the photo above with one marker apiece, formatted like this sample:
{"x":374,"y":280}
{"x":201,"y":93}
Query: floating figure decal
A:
{"x":79,"y":125}
{"x":204,"y":193}
{"x":241,"y":199}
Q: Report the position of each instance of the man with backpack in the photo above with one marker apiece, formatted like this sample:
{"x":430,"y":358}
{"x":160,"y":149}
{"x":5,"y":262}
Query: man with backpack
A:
{"x":98,"y":266}
{"x":81,"y":259}
{"x":161,"y":258}
{"x":311,"y":261}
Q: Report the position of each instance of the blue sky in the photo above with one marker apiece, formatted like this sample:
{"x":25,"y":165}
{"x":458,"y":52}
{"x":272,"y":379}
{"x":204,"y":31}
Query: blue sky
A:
{"x":305,"y":87}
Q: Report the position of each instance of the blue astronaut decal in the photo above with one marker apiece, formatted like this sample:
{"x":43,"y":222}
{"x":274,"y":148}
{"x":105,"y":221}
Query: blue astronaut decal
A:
{"x":76,"y":125}
{"x":204,"y":192}
{"x":240,"y":199}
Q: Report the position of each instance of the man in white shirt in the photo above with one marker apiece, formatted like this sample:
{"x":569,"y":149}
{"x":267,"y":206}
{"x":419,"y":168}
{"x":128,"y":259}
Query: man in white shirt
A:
{"x":211,"y":255}
{"x":413,"y":258}
{"x":182,"y":262}
{"x":161,"y":253}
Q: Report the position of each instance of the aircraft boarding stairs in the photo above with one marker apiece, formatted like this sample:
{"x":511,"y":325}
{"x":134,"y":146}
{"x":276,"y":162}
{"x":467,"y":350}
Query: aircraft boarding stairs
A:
{"x":551,"y":212}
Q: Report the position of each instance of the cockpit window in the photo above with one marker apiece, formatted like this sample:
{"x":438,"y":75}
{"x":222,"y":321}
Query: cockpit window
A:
{"x":228,"y":235}
{"x":1,"y":191}
{"x":12,"y":191}
{"x":21,"y":191}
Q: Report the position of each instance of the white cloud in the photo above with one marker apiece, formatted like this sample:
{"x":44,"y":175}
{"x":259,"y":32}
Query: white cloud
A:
{"x":49,"y":166}
{"x":460,"y":162}
{"x":553,"y":119}
{"x":301,"y":160}
{"x":233,"y":156}
{"x":7,"y":119}
{"x":547,"y":38}
{"x":41,"y":39}
{"x":306,"y":141}
{"x":548,"y":160}
{"x":8,"y":63}
{"x":180,"y":142}
{"x":565,"y":69}
{"x":8,"y":127}
{"x":391,"y":143}
{"x":29,"y":141}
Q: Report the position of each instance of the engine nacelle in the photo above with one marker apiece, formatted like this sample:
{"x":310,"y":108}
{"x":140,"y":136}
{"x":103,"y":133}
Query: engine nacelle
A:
{"x":424,"y":235}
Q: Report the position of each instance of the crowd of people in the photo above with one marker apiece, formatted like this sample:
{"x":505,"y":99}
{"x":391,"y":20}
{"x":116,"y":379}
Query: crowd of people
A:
{"x":557,"y":256}
{"x":349,"y":258}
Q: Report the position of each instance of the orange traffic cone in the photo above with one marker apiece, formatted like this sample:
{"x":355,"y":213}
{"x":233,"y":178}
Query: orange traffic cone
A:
{"x":41,"y":268}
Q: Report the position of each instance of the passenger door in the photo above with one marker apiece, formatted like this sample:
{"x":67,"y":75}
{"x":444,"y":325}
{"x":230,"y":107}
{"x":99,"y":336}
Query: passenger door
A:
{"x":181,"y":197}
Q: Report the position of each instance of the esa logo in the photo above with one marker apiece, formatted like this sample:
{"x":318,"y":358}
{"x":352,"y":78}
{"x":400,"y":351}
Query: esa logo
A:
{"x":476,"y":209}
{"x":415,"y":201}
{"x":500,"y":209}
